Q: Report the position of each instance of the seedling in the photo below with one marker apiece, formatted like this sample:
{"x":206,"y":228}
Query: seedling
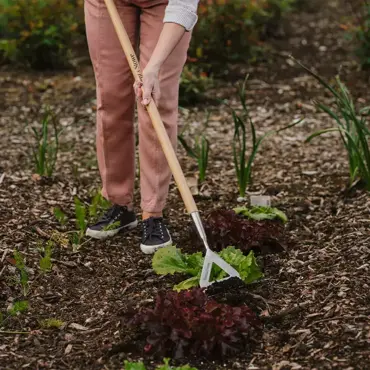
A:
{"x":23,"y":275}
{"x":18,"y":307}
{"x":46,"y":146}
{"x":45,"y":261}
{"x":199,"y":151}
{"x":84,"y":214}
{"x":60,"y":216}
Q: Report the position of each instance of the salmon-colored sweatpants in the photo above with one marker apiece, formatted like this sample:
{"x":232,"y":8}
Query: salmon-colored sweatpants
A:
{"x":115,"y":140}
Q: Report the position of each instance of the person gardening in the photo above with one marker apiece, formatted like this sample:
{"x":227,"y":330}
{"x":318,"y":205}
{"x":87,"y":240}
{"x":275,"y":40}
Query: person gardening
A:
{"x":161,"y":29}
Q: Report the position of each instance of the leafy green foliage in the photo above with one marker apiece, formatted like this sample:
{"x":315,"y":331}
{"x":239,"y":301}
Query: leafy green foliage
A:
{"x":261,"y":213}
{"x":352,"y":125}
{"x":165,"y":366}
{"x":23,"y":275}
{"x":18,"y":307}
{"x":51,"y":323}
{"x":45,"y":261}
{"x":46,"y":144}
{"x":243,"y":165}
{"x":39,"y":33}
{"x":170,"y":260}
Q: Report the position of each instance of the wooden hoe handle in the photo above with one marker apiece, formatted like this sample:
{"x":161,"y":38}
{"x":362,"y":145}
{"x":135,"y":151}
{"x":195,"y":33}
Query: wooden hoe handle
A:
{"x":152,"y":110}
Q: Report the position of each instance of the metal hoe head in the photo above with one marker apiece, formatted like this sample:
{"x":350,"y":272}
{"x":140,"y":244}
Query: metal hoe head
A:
{"x":211,"y":257}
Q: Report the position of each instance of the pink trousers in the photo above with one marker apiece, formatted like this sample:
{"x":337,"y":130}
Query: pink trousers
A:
{"x":115,"y":138}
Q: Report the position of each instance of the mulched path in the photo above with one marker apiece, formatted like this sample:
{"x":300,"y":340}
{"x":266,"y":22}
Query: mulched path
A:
{"x":316,"y":300}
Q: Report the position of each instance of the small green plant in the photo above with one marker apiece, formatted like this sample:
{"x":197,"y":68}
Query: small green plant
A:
{"x":261,"y":213}
{"x":166,"y":366}
{"x":18,"y":307}
{"x":199,"y":151}
{"x":23,"y":275}
{"x":51,"y":323}
{"x":98,"y":205}
{"x":352,"y":125}
{"x":60,"y":216}
{"x":243,"y":165}
{"x":84,"y":214}
{"x":45,"y":262}
{"x":170,"y":260}
{"x":46,"y":147}
{"x":81,"y":221}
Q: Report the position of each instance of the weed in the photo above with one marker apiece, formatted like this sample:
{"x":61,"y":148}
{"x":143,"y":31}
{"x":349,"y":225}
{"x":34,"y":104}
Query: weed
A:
{"x":18,"y":307}
{"x":51,"y":323}
{"x":84,"y":214}
{"x":45,"y":261}
{"x":60,"y":216}
{"x":97,"y":206}
{"x":352,"y":125}
{"x":45,"y":149}
{"x":23,"y":275}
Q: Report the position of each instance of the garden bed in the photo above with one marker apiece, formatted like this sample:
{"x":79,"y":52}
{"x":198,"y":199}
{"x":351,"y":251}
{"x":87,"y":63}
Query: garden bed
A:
{"x":314,"y":298}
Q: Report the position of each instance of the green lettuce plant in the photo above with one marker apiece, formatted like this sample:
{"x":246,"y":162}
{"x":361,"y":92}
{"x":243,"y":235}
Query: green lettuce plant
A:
{"x":171,"y":260}
{"x":261,"y":213}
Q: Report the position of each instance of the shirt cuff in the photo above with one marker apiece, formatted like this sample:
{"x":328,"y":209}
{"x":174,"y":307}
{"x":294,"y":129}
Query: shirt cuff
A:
{"x":181,"y":16}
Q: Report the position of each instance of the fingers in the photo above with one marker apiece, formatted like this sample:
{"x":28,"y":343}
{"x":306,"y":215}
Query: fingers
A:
{"x":148,"y":91}
{"x":138,"y":89}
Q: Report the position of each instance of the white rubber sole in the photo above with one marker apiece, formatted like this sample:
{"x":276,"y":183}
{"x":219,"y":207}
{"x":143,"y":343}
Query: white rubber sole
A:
{"x":151,"y":249}
{"x":96,"y":234}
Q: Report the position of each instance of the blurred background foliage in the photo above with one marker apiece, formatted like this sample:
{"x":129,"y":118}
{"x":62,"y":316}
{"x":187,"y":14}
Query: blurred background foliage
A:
{"x":46,"y":34}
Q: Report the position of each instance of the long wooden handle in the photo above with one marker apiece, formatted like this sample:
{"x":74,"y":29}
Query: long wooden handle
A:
{"x":152,"y":110}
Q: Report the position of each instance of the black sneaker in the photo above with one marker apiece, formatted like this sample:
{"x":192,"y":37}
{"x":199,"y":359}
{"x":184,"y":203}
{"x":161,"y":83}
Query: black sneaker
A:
{"x":155,"y":235}
{"x":117,"y":218}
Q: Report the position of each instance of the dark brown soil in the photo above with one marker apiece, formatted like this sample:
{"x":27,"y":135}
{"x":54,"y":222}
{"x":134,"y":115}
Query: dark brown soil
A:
{"x":314,"y":299}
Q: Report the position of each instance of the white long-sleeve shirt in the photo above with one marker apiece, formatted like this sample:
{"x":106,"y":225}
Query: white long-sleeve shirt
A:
{"x":183,"y":12}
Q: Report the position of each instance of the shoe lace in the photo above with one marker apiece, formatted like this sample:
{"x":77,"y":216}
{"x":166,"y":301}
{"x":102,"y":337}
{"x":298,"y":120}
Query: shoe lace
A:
{"x":114,"y":210}
{"x":153,"y":228}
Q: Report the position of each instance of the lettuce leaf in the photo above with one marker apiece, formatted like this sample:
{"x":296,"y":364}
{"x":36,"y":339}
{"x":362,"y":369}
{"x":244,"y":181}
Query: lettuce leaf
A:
{"x":261,"y":213}
{"x":170,"y":260}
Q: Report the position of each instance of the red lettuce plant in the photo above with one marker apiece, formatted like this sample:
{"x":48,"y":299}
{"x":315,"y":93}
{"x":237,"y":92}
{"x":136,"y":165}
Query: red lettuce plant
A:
{"x":190,"y":323}
{"x":224,"y":228}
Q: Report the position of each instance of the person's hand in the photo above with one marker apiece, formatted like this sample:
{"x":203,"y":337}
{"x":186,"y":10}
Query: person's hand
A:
{"x":149,"y":88}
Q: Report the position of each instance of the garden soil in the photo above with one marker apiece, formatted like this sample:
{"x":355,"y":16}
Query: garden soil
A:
{"x":315,"y":297}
